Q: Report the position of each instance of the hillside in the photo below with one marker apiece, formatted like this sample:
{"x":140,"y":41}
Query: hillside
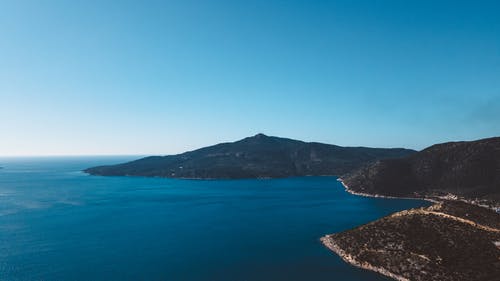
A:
{"x":470,"y":170}
{"x":259,"y":156}
{"x":450,"y":240}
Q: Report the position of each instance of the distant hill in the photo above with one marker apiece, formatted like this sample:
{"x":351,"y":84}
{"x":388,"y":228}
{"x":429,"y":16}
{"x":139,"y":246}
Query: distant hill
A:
{"x":259,"y":156}
{"x":468,"y":169}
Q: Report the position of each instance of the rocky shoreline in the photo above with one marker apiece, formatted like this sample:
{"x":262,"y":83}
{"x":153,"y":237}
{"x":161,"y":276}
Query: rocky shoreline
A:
{"x":450,"y":240}
{"x":432,"y":200}
{"x":330,"y":244}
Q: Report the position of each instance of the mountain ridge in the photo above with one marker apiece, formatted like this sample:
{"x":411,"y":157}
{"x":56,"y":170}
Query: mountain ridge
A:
{"x":258,"y":156}
{"x":466,"y":169}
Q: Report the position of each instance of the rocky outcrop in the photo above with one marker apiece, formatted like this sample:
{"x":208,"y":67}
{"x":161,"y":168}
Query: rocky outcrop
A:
{"x":446,"y":241}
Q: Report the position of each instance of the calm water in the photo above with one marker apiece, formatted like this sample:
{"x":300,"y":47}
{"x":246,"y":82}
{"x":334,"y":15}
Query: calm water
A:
{"x":57,"y":223}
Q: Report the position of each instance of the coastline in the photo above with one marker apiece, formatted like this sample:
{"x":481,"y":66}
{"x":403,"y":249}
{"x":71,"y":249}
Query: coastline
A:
{"x":336,"y":242}
{"x":330,"y":244}
{"x":328,"y":240}
{"x":383,"y":196}
{"x":434,"y":200}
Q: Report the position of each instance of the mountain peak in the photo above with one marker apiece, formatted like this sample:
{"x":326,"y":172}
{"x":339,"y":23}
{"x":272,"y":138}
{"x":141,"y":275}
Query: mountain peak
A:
{"x":260,"y":135}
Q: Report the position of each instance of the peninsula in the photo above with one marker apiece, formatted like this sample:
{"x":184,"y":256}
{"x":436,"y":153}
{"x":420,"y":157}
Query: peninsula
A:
{"x":259,"y":156}
{"x":457,"y":238}
{"x":448,"y":241}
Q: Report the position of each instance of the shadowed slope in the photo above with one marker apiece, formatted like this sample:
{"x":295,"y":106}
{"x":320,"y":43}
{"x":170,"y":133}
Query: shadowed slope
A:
{"x":468,"y":169}
{"x":259,"y":156}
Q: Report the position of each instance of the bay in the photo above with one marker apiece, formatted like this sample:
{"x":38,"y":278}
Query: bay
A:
{"x":57,"y":223}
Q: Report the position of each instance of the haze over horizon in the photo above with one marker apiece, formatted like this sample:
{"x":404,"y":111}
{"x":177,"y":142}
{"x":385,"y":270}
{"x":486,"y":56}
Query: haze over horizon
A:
{"x":158,"y":77}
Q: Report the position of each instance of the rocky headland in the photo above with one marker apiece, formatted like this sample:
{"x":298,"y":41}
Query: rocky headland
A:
{"x":457,"y":238}
{"x":450,"y":240}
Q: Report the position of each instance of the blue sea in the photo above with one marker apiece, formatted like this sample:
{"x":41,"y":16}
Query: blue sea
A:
{"x":57,"y":223}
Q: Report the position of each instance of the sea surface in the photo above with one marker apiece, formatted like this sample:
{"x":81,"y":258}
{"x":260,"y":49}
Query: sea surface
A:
{"x":57,"y":223}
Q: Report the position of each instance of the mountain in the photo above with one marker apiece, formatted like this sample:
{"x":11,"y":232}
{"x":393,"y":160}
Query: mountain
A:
{"x":259,"y":156}
{"x":468,"y":169}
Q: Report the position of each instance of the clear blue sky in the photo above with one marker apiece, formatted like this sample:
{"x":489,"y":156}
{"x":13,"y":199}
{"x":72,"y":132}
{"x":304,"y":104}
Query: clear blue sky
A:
{"x":160,"y":77}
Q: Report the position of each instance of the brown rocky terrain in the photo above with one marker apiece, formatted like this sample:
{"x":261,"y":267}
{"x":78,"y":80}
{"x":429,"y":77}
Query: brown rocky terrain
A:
{"x":450,"y":240}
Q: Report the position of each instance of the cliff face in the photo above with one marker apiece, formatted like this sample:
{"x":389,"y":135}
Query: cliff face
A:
{"x":448,"y":241}
{"x":259,"y":156}
{"x":467,"y":169}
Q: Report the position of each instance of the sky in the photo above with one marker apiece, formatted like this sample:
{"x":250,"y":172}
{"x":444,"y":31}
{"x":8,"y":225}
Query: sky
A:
{"x":161,"y":77}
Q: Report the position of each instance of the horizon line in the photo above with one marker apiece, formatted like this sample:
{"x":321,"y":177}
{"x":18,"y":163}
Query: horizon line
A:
{"x":73,"y":155}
